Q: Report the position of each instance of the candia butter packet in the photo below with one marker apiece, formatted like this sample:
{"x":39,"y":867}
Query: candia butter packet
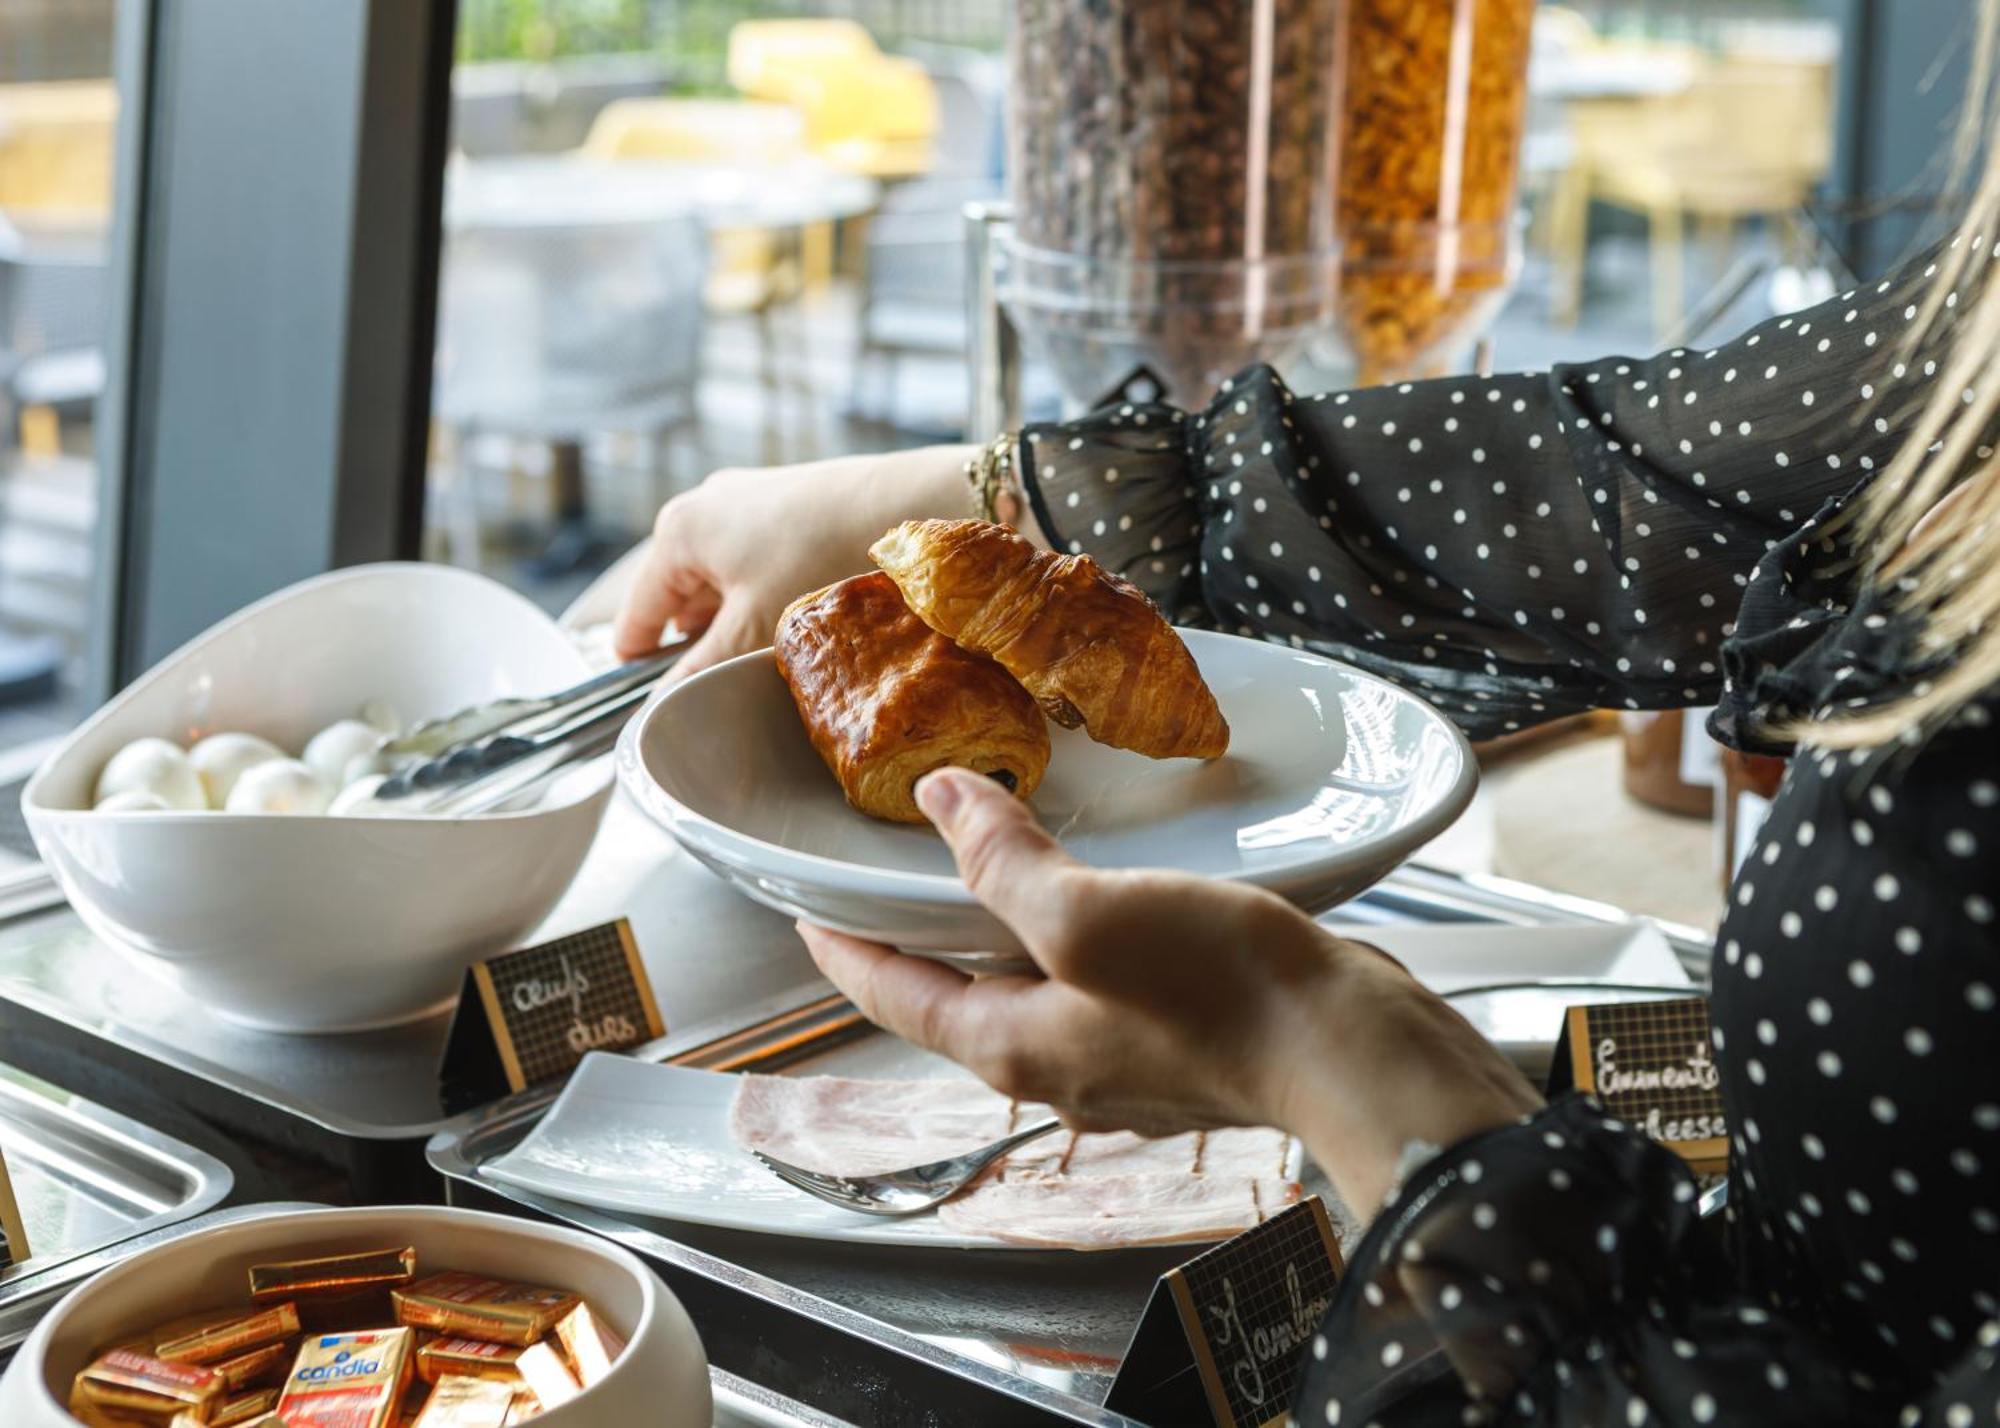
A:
{"x":335,"y":1275}
{"x":225,"y":1338}
{"x":471,"y":1358}
{"x":347,"y":1380}
{"x":473,"y":1307}
{"x":127,"y":1383}
{"x":462,"y":1402}
{"x":588,"y":1343}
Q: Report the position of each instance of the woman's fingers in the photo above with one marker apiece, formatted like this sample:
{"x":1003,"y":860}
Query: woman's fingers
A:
{"x":737,"y":628}
{"x":911,"y":996}
{"x":1010,"y":861}
{"x":926,"y":1003}
{"x":663,"y":590}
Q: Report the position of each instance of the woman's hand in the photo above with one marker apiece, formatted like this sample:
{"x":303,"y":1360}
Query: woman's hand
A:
{"x":727,"y":557}
{"x":1173,"y":1002}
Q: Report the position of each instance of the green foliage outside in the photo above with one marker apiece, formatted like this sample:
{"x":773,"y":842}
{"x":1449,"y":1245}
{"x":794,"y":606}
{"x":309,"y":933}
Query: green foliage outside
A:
{"x":694,"y":34}
{"x":551,"y":29}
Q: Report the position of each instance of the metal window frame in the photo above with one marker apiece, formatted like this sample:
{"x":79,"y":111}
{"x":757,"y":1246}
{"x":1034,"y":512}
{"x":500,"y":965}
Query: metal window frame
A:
{"x":273,"y":291}
{"x":1902,"y":79}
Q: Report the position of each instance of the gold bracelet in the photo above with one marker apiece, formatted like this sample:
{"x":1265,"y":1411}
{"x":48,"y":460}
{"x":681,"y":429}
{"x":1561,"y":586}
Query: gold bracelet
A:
{"x":990,"y":474}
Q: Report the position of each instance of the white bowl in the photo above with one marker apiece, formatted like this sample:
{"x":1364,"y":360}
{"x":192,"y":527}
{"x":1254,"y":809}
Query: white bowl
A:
{"x":311,"y":923}
{"x":661,"y":1378}
{"x":1333,"y":777}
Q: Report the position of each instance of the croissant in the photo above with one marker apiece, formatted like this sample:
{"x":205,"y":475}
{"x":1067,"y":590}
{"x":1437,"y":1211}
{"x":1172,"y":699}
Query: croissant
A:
{"x":1089,"y":646}
{"x":886,"y":699}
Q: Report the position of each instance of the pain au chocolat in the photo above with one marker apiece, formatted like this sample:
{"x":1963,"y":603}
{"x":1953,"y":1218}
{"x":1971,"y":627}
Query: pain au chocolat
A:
{"x":1091,"y":648}
{"x":886,"y":699}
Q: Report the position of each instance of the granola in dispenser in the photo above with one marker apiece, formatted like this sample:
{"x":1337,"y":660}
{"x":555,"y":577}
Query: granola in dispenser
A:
{"x":1436,"y":94}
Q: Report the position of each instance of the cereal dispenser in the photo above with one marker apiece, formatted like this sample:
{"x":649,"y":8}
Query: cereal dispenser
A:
{"x":1172,"y":165}
{"x":1201,"y":184}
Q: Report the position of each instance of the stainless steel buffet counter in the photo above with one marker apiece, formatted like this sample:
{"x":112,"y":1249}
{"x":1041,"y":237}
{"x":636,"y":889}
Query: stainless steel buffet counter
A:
{"x":855,"y":1333}
{"x":92,"y":1185}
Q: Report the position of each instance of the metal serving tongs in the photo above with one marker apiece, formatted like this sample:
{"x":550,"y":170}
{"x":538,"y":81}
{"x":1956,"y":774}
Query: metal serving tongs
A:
{"x":437,"y":736}
{"x":537,"y":741}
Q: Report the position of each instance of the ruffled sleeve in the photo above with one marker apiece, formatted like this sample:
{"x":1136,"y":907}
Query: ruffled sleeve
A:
{"x":1515,"y":547}
{"x":1809,"y":642}
{"x":1119,"y":481}
{"x":1556,"y":1271}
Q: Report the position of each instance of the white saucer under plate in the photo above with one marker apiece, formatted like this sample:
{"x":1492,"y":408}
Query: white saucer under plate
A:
{"x":637,"y":1138}
{"x":1332,"y":779}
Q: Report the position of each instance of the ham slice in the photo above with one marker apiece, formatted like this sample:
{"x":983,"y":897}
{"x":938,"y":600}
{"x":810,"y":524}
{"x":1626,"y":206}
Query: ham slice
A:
{"x":1117,"y":1211}
{"x":1247,"y":1151}
{"x":1250,"y":1150}
{"x":839,"y":1126}
{"x":1066,"y":1190}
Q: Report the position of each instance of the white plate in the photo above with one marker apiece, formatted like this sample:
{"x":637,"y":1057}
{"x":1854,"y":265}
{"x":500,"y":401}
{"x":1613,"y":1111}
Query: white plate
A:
{"x":638,"y":1138}
{"x":1333,"y":777}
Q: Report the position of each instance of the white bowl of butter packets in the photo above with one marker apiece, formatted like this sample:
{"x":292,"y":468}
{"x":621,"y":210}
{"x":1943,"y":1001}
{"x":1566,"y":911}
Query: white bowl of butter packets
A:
{"x":368,"y":1318}
{"x":212,"y":821}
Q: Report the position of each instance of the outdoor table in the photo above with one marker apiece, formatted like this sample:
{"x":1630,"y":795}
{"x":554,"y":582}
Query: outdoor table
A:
{"x":568,"y":204}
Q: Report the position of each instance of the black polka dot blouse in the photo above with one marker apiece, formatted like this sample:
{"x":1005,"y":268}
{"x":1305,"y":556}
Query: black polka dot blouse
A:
{"x":1645,"y":534}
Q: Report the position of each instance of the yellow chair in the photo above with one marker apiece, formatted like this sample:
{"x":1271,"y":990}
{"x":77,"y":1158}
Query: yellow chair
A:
{"x":766,"y":55}
{"x":734,"y":131}
{"x":56,"y":151}
{"x":868,"y":112}
{"x":1750,"y":137}
{"x":878,"y":119}
{"x":750,"y":269}
{"x":753,"y":272}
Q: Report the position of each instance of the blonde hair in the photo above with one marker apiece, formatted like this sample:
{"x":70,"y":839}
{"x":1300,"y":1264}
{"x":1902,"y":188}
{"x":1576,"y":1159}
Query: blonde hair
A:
{"x":1946,"y":571}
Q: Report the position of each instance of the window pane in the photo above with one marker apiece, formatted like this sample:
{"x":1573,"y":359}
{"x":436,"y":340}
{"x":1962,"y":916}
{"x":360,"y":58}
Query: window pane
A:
{"x":659,"y":263}
{"x":58,"y":114}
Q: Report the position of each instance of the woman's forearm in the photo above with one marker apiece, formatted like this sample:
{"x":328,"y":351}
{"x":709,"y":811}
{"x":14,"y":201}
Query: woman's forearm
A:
{"x":1360,"y":1064}
{"x":933,"y":479}
{"x":927,"y":479}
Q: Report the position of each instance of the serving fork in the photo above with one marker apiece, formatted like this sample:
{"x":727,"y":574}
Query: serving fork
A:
{"x":895,"y":1193}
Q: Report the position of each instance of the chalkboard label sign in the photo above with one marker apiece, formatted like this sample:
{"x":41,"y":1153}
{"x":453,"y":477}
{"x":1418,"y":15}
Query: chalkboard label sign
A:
{"x":1224,"y":1339}
{"x":530,"y":1016}
{"x":1653,"y":1066}
{"x":13,"y":1234}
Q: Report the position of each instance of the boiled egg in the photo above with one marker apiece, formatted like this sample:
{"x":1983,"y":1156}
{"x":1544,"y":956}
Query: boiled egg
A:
{"x":133,"y":800}
{"x":278,"y":786}
{"x":362,"y":765}
{"x":155,"y":766}
{"x":356,"y":800}
{"x":221,"y":759}
{"x":333,"y":749}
